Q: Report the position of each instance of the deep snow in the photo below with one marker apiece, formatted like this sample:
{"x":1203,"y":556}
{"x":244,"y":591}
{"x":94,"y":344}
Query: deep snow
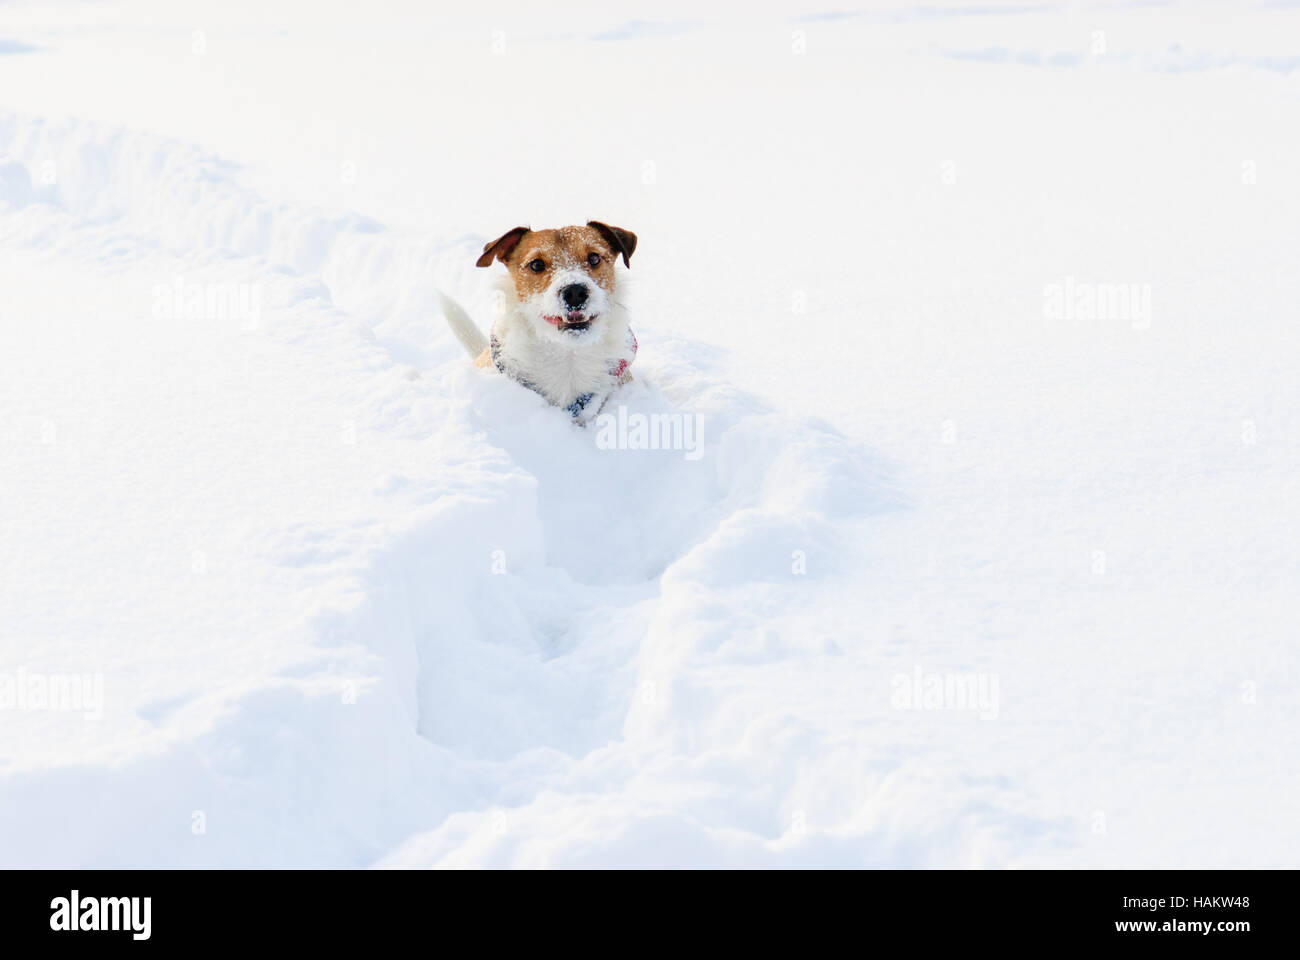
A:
{"x":353,"y":602}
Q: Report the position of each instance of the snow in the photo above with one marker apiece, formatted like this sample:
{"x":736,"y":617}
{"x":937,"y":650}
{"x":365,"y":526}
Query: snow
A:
{"x":332,"y":597}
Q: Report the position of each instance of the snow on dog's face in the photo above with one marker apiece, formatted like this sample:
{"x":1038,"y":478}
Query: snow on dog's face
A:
{"x":563,"y":278}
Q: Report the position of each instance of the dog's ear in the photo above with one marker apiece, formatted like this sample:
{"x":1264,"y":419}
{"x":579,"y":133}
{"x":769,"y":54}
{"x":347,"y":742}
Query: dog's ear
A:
{"x":500,"y":248}
{"x":623,"y":241}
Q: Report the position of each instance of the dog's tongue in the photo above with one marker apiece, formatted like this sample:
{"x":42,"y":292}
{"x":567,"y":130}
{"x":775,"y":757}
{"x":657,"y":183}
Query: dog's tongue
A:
{"x":573,"y":316}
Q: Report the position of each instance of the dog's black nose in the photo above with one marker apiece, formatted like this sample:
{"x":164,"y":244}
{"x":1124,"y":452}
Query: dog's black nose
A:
{"x":574,"y":295}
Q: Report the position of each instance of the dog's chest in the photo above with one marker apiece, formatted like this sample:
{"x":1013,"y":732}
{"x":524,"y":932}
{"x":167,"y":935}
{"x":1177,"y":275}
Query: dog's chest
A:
{"x":558,"y":372}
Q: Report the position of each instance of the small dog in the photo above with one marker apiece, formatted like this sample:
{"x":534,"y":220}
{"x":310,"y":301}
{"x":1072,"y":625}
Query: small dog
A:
{"x":563,"y":332}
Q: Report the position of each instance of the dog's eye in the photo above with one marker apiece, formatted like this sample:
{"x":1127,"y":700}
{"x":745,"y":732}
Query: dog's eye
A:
{"x":537,"y":266}
{"x":593,"y":259}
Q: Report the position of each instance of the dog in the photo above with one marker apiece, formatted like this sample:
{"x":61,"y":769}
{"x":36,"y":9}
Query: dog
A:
{"x":564,"y":332}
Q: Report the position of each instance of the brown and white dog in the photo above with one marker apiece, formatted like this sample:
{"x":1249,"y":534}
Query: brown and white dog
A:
{"x":563,"y":332}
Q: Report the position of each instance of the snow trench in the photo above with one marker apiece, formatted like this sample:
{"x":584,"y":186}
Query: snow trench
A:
{"x":531,"y":630}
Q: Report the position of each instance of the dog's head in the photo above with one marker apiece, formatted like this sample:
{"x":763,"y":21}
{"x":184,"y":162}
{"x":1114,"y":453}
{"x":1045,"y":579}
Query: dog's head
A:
{"x":563,"y":278}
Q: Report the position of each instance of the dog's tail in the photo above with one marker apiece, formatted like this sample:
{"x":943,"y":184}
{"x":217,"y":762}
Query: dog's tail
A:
{"x":469,"y":335}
